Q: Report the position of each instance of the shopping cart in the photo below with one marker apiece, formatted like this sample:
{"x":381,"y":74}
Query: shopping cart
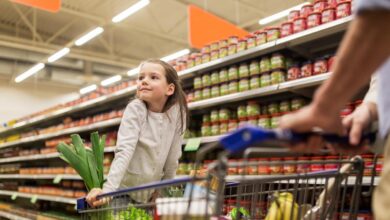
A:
{"x":212,"y":195}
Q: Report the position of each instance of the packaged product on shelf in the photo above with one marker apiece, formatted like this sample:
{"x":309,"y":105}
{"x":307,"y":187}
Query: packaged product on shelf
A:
{"x":265,"y":65}
{"x":241,"y":112}
{"x":275,"y":118}
{"x":306,"y":10}
{"x":241,"y":46}
{"x":254,"y":82}
{"x":205,"y":130}
{"x":302,"y":166}
{"x":224,"y":114}
{"x":252,"y":120}
{"x":297,"y":103}
{"x":243,"y":70}
{"x":206,"y":81}
{"x":252,"y":109}
{"x":198,"y":59}
{"x":214,"y":129}
{"x":293,"y":72}
{"x":261,"y":37}
{"x":273,"y":108}
{"x":328,"y":15}
{"x":214,"y":46}
{"x":232,"y":48}
{"x":223,"y":43}
{"x":277,"y":167}
{"x":273,"y":33}
{"x":289,"y":168}
{"x":191,"y":62}
{"x":320,"y":5}
{"x":343,"y":9}
{"x":214,"y":54}
{"x":214,"y":116}
{"x":233,"y":40}
{"x":285,"y":106}
{"x":224,"y":89}
{"x":223,"y":75}
{"x":254,"y":68}
{"x":205,"y":49}
{"x":223,"y":52}
{"x":264,"y":121}
{"x":215,"y":91}
{"x":320,"y":66}
{"x":330,"y":165}
{"x":307,"y":69}
{"x":278,"y":61}
{"x":233,"y":73}
{"x":265,"y":79}
{"x":263,"y":167}
{"x":299,"y":24}
{"x":233,"y":86}
{"x":243,"y":84}
{"x":223,"y":127}
{"x":332,"y":3}
{"x":286,"y":29}
{"x":197,"y":95}
{"x":242,"y":122}
{"x":314,"y":167}
{"x":278,"y":76}
{"x":250,"y":41}
{"x":292,"y":15}
{"x":314,"y":19}
{"x":206,"y":93}
{"x":232,"y":125}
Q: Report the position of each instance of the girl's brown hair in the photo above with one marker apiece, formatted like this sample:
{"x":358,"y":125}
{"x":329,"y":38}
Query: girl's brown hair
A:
{"x":178,"y":96}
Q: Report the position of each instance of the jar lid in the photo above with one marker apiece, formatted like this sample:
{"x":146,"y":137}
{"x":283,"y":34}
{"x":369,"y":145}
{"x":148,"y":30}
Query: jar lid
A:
{"x":250,"y":36}
{"x":263,"y":116}
{"x":316,"y":1}
{"x":317,"y":158}
{"x":287,"y":22}
{"x":206,"y":124}
{"x":233,"y":121}
{"x":276,"y":158}
{"x":223,"y":121}
{"x":290,"y":158}
{"x":299,"y":18}
{"x":343,"y":2}
{"x":272,"y":28}
{"x":253,"y":117}
{"x":315,"y":12}
{"x":308,"y":5}
{"x":242,"y":40}
{"x":329,"y":8}
{"x":294,"y":11}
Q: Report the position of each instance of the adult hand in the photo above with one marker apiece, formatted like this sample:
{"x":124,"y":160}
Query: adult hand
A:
{"x":93,"y":201}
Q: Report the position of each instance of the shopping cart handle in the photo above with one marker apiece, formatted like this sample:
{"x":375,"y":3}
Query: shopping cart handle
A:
{"x":249,"y":135}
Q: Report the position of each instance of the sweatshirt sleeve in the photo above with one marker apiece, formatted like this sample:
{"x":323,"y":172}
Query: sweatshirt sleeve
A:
{"x":371,"y":95}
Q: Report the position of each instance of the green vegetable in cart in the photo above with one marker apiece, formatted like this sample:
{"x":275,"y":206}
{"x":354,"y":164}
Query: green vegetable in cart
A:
{"x":239,"y":213}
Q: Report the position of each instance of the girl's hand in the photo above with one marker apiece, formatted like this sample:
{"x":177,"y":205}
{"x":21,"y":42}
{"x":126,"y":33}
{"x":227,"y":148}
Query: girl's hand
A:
{"x":92,"y":200}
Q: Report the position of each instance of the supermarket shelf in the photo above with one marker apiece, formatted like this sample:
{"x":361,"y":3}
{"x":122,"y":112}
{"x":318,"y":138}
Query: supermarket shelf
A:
{"x":41,"y":156}
{"x":66,"y":111}
{"x":11,"y":216}
{"x":40,"y":177}
{"x":295,"y":39}
{"x":107,"y":123}
{"x":40,"y":197}
{"x":269,"y":90}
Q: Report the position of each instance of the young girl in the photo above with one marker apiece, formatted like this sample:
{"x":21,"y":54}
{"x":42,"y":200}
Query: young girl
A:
{"x":151,"y":131}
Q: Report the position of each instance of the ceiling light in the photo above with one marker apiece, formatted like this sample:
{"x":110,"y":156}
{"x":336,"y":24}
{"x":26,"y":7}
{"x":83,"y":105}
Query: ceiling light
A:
{"x":111,"y":80}
{"x":88,"y":89}
{"x":176,"y":55}
{"x":131,"y":10}
{"x":58,"y":55}
{"x":29,"y":72}
{"x":133,"y":72}
{"x":280,"y":15}
{"x":95,"y":32}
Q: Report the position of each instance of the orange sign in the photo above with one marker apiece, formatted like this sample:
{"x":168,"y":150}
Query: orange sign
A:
{"x":205,"y":28}
{"x":48,"y":5}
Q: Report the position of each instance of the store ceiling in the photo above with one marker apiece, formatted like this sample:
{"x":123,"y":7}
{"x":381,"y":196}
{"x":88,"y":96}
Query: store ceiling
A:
{"x":28,"y":35}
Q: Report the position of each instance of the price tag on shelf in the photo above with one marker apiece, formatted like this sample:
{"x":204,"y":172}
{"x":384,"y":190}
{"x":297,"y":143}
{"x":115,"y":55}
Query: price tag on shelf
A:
{"x":57,"y":179}
{"x":192,"y":144}
{"x":14,"y":196}
{"x":34,"y":199}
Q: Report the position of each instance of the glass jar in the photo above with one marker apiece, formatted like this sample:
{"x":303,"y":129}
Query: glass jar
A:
{"x":284,"y":106}
{"x":286,"y":29}
{"x":243,"y":84}
{"x":263,"y":168}
{"x":261,"y":37}
{"x":294,"y":72}
{"x":289,"y":168}
{"x":343,"y":9}
{"x":233,"y":73}
{"x":233,"y":125}
{"x":265,"y":65}
{"x":276,"y":166}
{"x":197,"y":95}
{"x":306,"y":10}
{"x":233,"y":86}
{"x":320,"y":5}
{"x":223,"y":75}
{"x":243,"y":70}
{"x":197,"y":82}
{"x":254,"y":82}
{"x":242,"y":122}
{"x":265,"y":79}
{"x":252,"y":120}
{"x":250,"y":41}
{"x":206,"y":81}
{"x":206,"y":118}
{"x":320,"y":66}
{"x":206,"y":57}
{"x":278,"y":76}
{"x":190,"y":62}
{"x":214,"y":46}
{"x":206,"y":93}
{"x":314,"y":19}
{"x":273,"y":33}
{"x":275,"y":118}
{"x":252,"y":109}
{"x":232,"y":49}
{"x":233,"y":40}
{"x":297,"y":103}
{"x":223,"y":127}
{"x":205,"y":130}
{"x":278,"y":61}
{"x":302,"y":165}
{"x":224,"y":114}
{"x":223,"y":43}
{"x":224,"y":89}
{"x":293,"y":15}
{"x":215,"y":129}
{"x":328,"y":15}
{"x":254,"y":68}
{"x":273,"y":108}
{"x":241,"y":112}
{"x":333,"y":3}
{"x":198,"y":59}
{"x":214,"y":116}
{"x":315,"y":167}
{"x":215,"y":91}
{"x":214,"y":54}
{"x":307,"y":69}
{"x":264,"y":121}
{"x":241,"y":46}
{"x":223,"y":52}
{"x":299,"y":24}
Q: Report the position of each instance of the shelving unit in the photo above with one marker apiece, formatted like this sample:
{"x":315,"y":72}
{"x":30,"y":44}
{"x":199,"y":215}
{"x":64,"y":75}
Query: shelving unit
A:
{"x":39,"y":197}
{"x":12,"y":216}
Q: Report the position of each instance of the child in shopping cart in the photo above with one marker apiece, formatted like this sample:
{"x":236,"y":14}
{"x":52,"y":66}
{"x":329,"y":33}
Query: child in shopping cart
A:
{"x":151,"y":131}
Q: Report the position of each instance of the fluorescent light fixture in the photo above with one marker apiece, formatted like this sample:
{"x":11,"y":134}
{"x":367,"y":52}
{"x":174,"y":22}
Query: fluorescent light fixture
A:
{"x":176,"y":55}
{"x":280,"y":15}
{"x":131,"y":10}
{"x":58,"y":55}
{"x":29,"y":72}
{"x":88,"y":89}
{"x":111,"y":80}
{"x":87,"y":37}
{"x":133,"y":72}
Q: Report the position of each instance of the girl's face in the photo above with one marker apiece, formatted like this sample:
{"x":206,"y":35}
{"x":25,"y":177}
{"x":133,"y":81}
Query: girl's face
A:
{"x":152,"y":85}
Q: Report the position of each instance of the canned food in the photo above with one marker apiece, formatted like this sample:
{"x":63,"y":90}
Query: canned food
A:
{"x":306,"y":10}
{"x":205,"y":130}
{"x":197,"y":95}
{"x":343,"y":9}
{"x":320,"y":5}
{"x":289,"y":168}
{"x":264,"y":121}
{"x":299,"y":24}
{"x":286,"y":29}
{"x":293,"y":15}
{"x":222,"y":43}
{"x":275,"y":118}
{"x":214,"y":116}
{"x":252,"y":120}
{"x":273,"y":108}
{"x":263,"y":168}
{"x":252,"y":109}
{"x":261,"y":37}
{"x":328,"y":15}
{"x":233,"y":40}
{"x":293,"y":72}
{"x":215,"y":129}
{"x":214,"y":46}
{"x":320,"y":66}
{"x":314,"y":19}
{"x":297,"y":103}
{"x":233,"y":125}
{"x":284,"y":106}
{"x":307,"y":69}
{"x":198,"y":59}
{"x":224,"y":114}
{"x":277,"y":167}
{"x":205,"y":49}
{"x":241,"y":112}
{"x":205,"y":57}
{"x":273,"y":33}
{"x":206,"y":119}
{"x":223,"y":127}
